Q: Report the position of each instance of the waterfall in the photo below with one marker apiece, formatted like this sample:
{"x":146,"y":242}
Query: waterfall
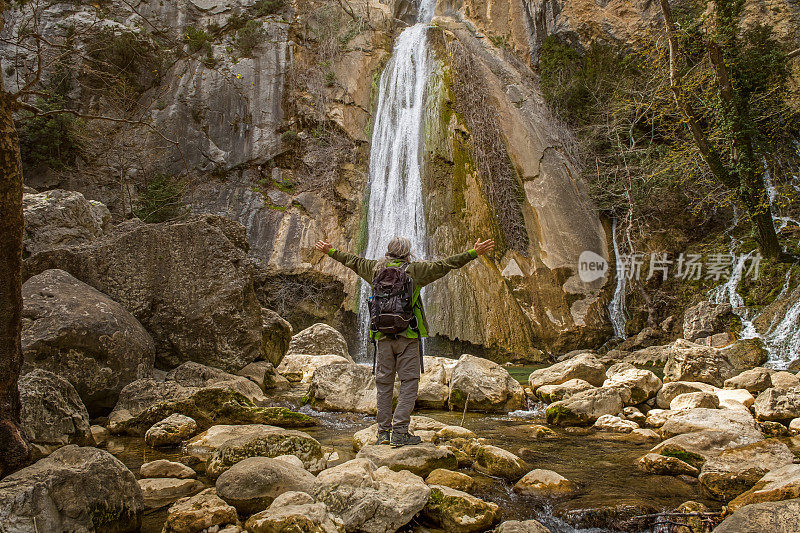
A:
{"x":395,"y":177}
{"x":616,"y":307}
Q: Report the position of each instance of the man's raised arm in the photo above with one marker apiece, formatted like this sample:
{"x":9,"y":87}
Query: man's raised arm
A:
{"x":363,"y":267}
{"x":430,"y":271}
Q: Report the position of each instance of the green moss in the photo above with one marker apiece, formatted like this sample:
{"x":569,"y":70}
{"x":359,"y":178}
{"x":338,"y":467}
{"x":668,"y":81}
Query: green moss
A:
{"x":694,"y":459}
{"x":558,"y":414}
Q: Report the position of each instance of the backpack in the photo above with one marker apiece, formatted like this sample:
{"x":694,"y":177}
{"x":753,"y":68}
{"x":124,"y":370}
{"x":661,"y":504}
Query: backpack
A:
{"x":390,"y":306}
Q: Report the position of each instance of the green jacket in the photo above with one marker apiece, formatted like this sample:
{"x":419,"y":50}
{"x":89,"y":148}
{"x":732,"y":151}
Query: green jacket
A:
{"x":422,"y":272}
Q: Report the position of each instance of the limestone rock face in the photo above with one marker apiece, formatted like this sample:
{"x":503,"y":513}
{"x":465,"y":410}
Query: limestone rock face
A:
{"x":545,"y":483}
{"x":171,"y":431}
{"x":52,"y":413}
{"x":295,"y":511}
{"x":585,"y":407}
{"x":454,"y":510}
{"x":188,"y":282}
{"x":252,"y":484}
{"x":58,"y":218}
{"x":369,"y":499}
{"x":301,"y":367}
{"x":489,"y":386}
{"x":66,"y":491}
{"x":343,"y":387}
{"x":421,"y":459}
{"x":84,"y":336}
{"x":693,"y":362}
{"x":777,"y":404}
{"x":200,"y":512}
{"x":319,"y":339}
{"x":705,"y":319}
{"x":585,"y":367}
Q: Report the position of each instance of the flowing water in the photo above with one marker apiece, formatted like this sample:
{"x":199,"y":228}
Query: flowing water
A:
{"x":616,"y":307}
{"x":395,"y":183}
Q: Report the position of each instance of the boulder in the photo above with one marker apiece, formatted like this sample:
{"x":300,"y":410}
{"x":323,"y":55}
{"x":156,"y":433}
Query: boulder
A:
{"x":634,"y":414}
{"x":642,"y":436}
{"x":301,"y":367}
{"x":295,"y":511}
{"x":782,"y":483}
{"x":484,"y":386}
{"x":252,"y":484}
{"x":189,"y":282}
{"x":736,"y":470}
{"x":83,"y":336}
{"x":691,"y":400}
{"x":499,"y":462}
{"x":692,"y":362}
{"x":342,"y":387}
{"x":739,"y":396}
{"x":697,"y":447}
{"x":454,"y":432}
{"x":199,"y":513}
{"x":277,"y":334}
{"x":369,"y":499}
{"x":754,"y":380}
{"x":545,"y":484}
{"x":585,"y":366}
{"x":319,"y":339}
{"x":738,"y":424}
{"x":775,"y":517}
{"x":585,"y":408}
{"x":745,"y":353}
{"x":615,"y":424}
{"x":634,"y":385}
{"x":675,"y":388}
{"x":434,"y":383}
{"x":99,"y":434}
{"x":650,"y":356}
{"x":453,"y":510}
{"x":449,"y":478}
{"x":794,"y":426}
{"x":171,"y":431}
{"x":73,"y":489}
{"x":421,"y":459}
{"x":657,"y":417}
{"x":159,"y":492}
{"x":165,"y":468}
{"x":59,"y":218}
{"x":52,"y":413}
{"x":780,"y":405}
{"x":562,"y":391}
{"x":784,"y":380}
{"x":424,"y":427}
{"x":191,"y":374}
{"x":706,"y":318}
{"x":263,"y":374}
{"x":521,"y":526}
{"x":665,"y":465}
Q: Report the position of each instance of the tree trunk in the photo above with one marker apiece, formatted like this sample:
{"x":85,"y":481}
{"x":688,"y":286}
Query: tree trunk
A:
{"x":14,"y":450}
{"x":753,"y":195}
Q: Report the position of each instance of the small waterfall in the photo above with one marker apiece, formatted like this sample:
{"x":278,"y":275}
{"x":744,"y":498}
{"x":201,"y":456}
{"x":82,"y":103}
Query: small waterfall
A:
{"x":395,"y":173}
{"x":616,"y":307}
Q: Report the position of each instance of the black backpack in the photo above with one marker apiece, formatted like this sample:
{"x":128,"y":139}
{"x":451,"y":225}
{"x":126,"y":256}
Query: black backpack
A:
{"x":391,"y":305}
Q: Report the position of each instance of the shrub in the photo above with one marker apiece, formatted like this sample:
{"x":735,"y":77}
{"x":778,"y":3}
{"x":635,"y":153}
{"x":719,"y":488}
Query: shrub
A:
{"x":249,"y":36}
{"x":161,"y":200}
{"x":268,"y":7}
{"x":53,"y":140}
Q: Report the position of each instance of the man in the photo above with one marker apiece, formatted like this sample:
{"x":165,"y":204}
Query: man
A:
{"x":400,"y":354}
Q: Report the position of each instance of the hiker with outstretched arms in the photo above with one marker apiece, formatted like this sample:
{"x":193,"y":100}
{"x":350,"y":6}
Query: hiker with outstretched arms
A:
{"x":397,"y":322}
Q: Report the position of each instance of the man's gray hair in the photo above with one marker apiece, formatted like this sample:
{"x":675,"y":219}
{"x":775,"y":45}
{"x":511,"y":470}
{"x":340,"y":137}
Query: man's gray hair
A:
{"x":399,"y":248}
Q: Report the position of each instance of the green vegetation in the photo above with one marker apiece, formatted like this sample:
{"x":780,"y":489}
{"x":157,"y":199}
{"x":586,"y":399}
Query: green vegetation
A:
{"x":268,"y":7}
{"x":161,"y":200}
{"x":200,"y":41}
{"x":56,"y":141}
{"x":249,"y":37}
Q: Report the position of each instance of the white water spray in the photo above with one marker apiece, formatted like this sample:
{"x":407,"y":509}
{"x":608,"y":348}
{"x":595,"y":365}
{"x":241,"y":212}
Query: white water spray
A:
{"x":616,"y":307}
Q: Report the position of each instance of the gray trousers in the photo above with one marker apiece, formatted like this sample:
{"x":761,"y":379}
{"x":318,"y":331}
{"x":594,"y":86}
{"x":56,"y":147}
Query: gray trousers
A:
{"x":401,"y":356}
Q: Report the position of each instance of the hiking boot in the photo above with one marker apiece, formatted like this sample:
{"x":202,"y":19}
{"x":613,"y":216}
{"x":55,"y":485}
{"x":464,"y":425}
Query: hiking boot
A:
{"x":401,"y":439}
{"x":383,"y":437}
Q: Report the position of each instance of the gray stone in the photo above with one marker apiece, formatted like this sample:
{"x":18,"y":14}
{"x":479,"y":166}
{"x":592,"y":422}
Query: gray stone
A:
{"x":775,"y":517}
{"x":171,"y":431}
{"x":754,"y":380}
{"x":295,"y":511}
{"x":319,"y":339}
{"x":343,"y":386}
{"x":693,"y":362}
{"x":199,"y":513}
{"x":705,"y":319}
{"x":521,"y":526}
{"x":252,"y":484}
{"x":781,"y":405}
{"x":485,"y":386}
{"x":59,"y":218}
{"x":584,"y":366}
{"x":498,"y":462}
{"x":585,"y":408}
{"x":159,"y":492}
{"x":165,"y":468}
{"x":454,"y":510}
{"x":191,"y":374}
{"x":421,"y":459}
{"x":673,"y":389}
{"x":739,"y":424}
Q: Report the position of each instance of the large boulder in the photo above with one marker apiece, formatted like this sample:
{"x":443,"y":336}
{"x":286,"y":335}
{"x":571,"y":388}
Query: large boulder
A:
{"x":705,"y":319}
{"x":420,"y":460}
{"x":453,"y":510}
{"x":736,"y":470}
{"x":781,"y":405}
{"x":498,"y":462}
{"x":738,"y":424}
{"x":545,"y":484}
{"x":782,"y":483}
{"x":52,"y":413}
{"x":189,"y":282}
{"x":84,"y":336}
{"x":159,"y":492}
{"x":171,"y":431}
{"x":434,"y":383}
{"x":754,"y":380}
{"x":252,"y":484}
{"x":191,"y":374}
{"x":699,"y":446}
{"x":199,"y":513}
{"x":745,"y":353}
{"x":485,"y":386}
{"x":562,"y":391}
{"x":634,"y":385}
{"x":693,"y":400}
{"x":693,"y":362}
{"x":73,"y":489}
{"x":584,"y":408}
{"x":319,"y":339}
{"x":301,"y":367}
{"x":343,"y":387}
{"x":295,"y":511}
{"x":583,"y":366}
{"x":369,"y":499}
{"x":673,"y":389}
{"x":59,"y":218}
{"x":772,"y":517}
{"x":166,"y":468}
{"x":277,"y":334}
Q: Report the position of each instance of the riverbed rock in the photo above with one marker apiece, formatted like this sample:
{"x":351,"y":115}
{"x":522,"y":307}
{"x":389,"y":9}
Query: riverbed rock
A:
{"x":370,"y":499}
{"x":421,"y":459}
{"x":191,"y":374}
{"x":264,"y":441}
{"x":754,"y":380}
{"x":706,"y":318}
{"x":454,"y":432}
{"x":198,"y":513}
{"x":425,"y":427}
{"x":434,"y":383}
{"x":277,"y":334}
{"x":665,"y":465}
{"x":83,"y":336}
{"x":585,"y":408}
{"x":159,"y":492}
{"x":634,"y":385}
{"x":52,"y":413}
{"x":615,"y":424}
{"x":782,"y":483}
{"x":780,"y":405}
{"x":189,"y":282}
{"x":693,"y":362}
{"x":784,"y":380}
{"x":650,"y":356}
{"x":171,"y":431}
{"x":301,"y":367}
{"x":295,"y":511}
{"x":498,"y":462}
{"x":657,"y":417}
{"x":745,"y":354}
{"x":562,"y":391}
{"x":739,"y":424}
{"x":774,"y":517}
{"x":73,"y":489}
{"x":454,"y":510}
{"x":166,"y":468}
{"x":452,"y":479}
{"x":521,"y":526}
{"x":484,"y":386}
{"x":263,"y":374}
{"x":691,"y":400}
{"x":252,"y":484}
{"x":736,"y":470}
{"x":545,"y":484}
{"x":675,"y":388}
{"x":585,"y":366}
{"x":343,"y":387}
{"x":319,"y":339}
{"x":739,"y":396}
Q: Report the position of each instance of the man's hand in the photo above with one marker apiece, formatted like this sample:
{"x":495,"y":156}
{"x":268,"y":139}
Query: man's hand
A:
{"x":483,"y":248}
{"x":323,"y":246}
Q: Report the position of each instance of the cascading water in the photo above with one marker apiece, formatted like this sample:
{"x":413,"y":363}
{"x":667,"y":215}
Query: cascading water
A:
{"x":395,"y":182}
{"x":616,"y":307}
